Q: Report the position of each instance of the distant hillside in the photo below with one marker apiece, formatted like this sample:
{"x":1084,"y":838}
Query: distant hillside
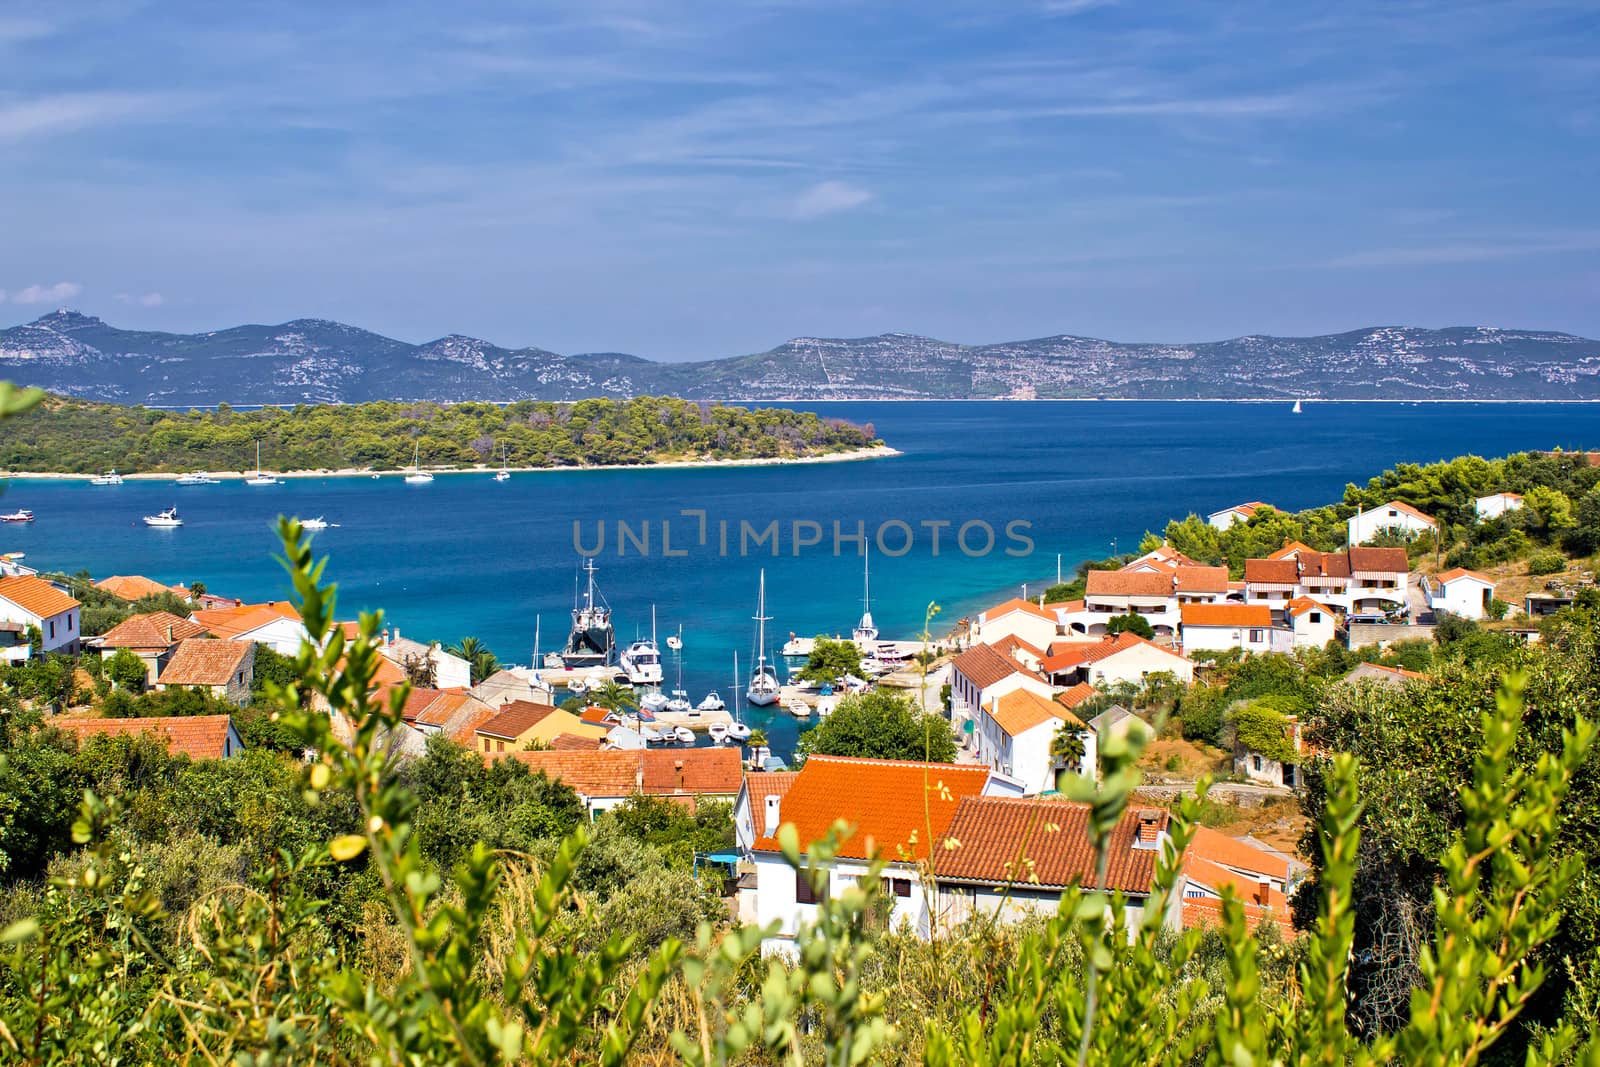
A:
{"x":314,"y":360}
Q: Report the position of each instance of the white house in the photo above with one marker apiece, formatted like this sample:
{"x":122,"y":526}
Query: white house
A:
{"x":1258,"y":877}
{"x":449,"y":671}
{"x":29,"y":601}
{"x":1014,"y":733}
{"x":1460,"y":592}
{"x":1358,"y":580}
{"x":1111,"y":593}
{"x":980,"y":675}
{"x":1033,"y":623}
{"x":1263,"y":769}
{"x":276,"y":625}
{"x":1126,"y":657}
{"x":1220,"y":627}
{"x":1497,"y":504}
{"x":1393,"y":517}
{"x":1227,"y":517}
{"x":1311,"y":623}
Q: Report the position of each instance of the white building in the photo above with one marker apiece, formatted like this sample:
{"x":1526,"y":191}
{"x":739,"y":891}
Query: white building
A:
{"x":1014,"y":733}
{"x":979,"y":676}
{"x":1358,"y":580}
{"x":1227,"y":517}
{"x":1497,"y":504}
{"x":1460,"y":592}
{"x":449,"y":671}
{"x":1023,"y":619}
{"x":1126,"y":657}
{"x":33,"y":602}
{"x":276,"y":625}
{"x":1393,"y":517}
{"x":1220,"y":627}
{"x":1312,"y":624}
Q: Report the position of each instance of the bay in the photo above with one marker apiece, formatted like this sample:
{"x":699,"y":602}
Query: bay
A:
{"x":466,"y":555}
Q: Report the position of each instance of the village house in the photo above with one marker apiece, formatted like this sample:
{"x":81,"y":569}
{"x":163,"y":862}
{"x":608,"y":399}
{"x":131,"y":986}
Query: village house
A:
{"x":195,"y":736}
{"x":225,"y":669}
{"x":455,"y":713}
{"x":521,"y":723}
{"x":1265,"y":769}
{"x":504,"y":686}
{"x":1260,"y":879}
{"x":1377,"y":672}
{"x":1312,"y":623}
{"x":1227,"y":517}
{"x":131,"y":587}
{"x":276,"y":625}
{"x":1358,"y":581}
{"x":1393,"y":517}
{"x":1033,"y":623}
{"x":981,"y":674}
{"x":152,"y":636}
{"x":1014,"y":734}
{"x":1117,"y":721}
{"x":1164,"y":557}
{"x":1220,"y":627}
{"x":1200,"y":585}
{"x":449,"y":671}
{"x":606,"y":778}
{"x":33,"y":602}
{"x":1126,"y":657}
{"x":1496,"y":504}
{"x":1460,"y":592}
{"x":1272,"y":582}
{"x":1111,"y":593}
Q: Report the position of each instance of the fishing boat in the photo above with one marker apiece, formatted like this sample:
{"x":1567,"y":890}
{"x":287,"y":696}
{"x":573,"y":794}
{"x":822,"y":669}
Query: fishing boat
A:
{"x":764,"y":688}
{"x":712,"y":702}
{"x":738,"y":730}
{"x":258,"y":478}
{"x":798,"y":708}
{"x":718,"y":732}
{"x":418,"y":476}
{"x":641,"y":661}
{"x":110,"y":477}
{"x":164,"y":519}
{"x":1296,"y":410}
{"x":592,"y":642}
{"x":197,"y":478}
{"x":866,"y":631}
{"x":20,"y":515}
{"x":653,"y":702}
{"x":675,"y":641}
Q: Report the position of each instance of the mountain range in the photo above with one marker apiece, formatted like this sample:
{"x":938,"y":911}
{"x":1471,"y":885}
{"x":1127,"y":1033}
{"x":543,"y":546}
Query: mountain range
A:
{"x":319,"y":361}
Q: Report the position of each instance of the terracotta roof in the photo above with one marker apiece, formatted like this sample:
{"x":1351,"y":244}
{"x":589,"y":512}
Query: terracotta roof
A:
{"x":206,"y":661}
{"x":1041,"y":842}
{"x":197,"y":736}
{"x":893,"y":805}
{"x":133,"y":587}
{"x":1272,"y":571}
{"x":1461,"y":572}
{"x":1246,"y":509}
{"x":240,"y":620}
{"x":1201,"y":913}
{"x":155,"y":629}
{"x":36,"y":596}
{"x":444,"y":707}
{"x":1506,"y":496}
{"x":1261,"y":902}
{"x":1407,"y":509}
{"x":1382,"y":560}
{"x":1166,"y":554}
{"x":1018,"y":604}
{"x":692,"y":770}
{"x":598,"y":716}
{"x":985,"y":666}
{"x":574,"y":743}
{"x":763,"y":784}
{"x":1291,"y":549}
{"x":1070,"y":605}
{"x":463,"y":729}
{"x":1324,"y":564}
{"x":1071,"y":698}
{"x":515,"y":719}
{"x":1219,"y":848}
{"x":1200,"y":579}
{"x":1011,"y":643}
{"x":621,"y":773}
{"x":1072,"y":654}
{"x":1020,"y":711}
{"x":1127,"y":583}
{"x":1302,"y":604}
{"x":1226,"y":615}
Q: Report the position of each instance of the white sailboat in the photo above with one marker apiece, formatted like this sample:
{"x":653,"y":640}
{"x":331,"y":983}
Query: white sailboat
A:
{"x":739,"y":730}
{"x":764,"y":688}
{"x":678,"y":702}
{"x":418,"y":476}
{"x":503,"y":474}
{"x":866,"y":631}
{"x":1297,"y":410}
{"x":258,"y":478}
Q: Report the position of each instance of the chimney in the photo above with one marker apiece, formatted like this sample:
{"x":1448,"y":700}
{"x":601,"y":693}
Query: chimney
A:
{"x":774,"y":803}
{"x":169,"y":633}
{"x":1149,"y":832}
{"x":397,"y":633}
{"x":677,"y":767}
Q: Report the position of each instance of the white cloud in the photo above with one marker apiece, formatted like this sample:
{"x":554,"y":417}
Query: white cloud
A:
{"x":1073,"y":7}
{"x":827,"y":198}
{"x":144,"y":300}
{"x":69,"y":111}
{"x":46,"y":294}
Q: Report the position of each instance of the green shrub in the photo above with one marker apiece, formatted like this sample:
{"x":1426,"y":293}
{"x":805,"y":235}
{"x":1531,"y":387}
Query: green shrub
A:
{"x":1550,"y":562}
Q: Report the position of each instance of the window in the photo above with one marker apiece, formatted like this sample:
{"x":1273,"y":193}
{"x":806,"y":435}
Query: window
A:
{"x":1255,"y":762}
{"x":52,"y":629}
{"x":803,"y":893}
{"x":1255,"y":636}
{"x":69,"y":624}
{"x":900,"y":887}
{"x":1316,"y":616}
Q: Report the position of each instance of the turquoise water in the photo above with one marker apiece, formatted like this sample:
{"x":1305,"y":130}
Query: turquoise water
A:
{"x":467,"y":555}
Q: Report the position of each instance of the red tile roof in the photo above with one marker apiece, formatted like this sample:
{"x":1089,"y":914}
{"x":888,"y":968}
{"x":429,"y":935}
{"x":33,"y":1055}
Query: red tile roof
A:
{"x":1407,"y":509}
{"x":515,"y":719}
{"x":1128,"y":583}
{"x":1291,"y":549}
{"x":893,"y":805}
{"x":1020,"y":711}
{"x":1041,"y":842}
{"x":1225,"y":851}
{"x":36,"y":596}
{"x":1200,"y":579}
{"x":1272,"y":571}
{"x":1203,"y":913}
{"x":1324,"y":564}
{"x":1302,"y":604}
{"x":197,"y":736}
{"x":1247,"y":509}
{"x":1010,"y":643}
{"x":206,"y":661}
{"x":1457,"y":573}
{"x":1379,"y":560}
{"x":1071,"y":698}
{"x":621,"y":773}
{"x":236,"y":621}
{"x":574,"y":743}
{"x":985,"y":666}
{"x":152,"y":630}
{"x":1018,"y":604}
{"x":597,"y":716}
{"x":1226,"y":615}
{"x":1065,"y":655}
{"x":133,"y":587}
{"x":694,"y":770}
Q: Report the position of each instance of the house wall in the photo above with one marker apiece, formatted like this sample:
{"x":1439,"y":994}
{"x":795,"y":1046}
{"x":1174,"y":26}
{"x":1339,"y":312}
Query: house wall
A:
{"x":237,"y":691}
{"x":1222,"y":520}
{"x":1313,"y":633}
{"x":1368,"y":524}
{"x":1249,"y":638}
{"x":776,"y":899}
{"x":1264,"y":770}
{"x":283,"y":636}
{"x":1464,"y":597}
{"x":1492,"y":507}
{"x":1030,"y":628}
{"x":57,"y":633}
{"x":1026,"y":756}
{"x":957,"y":903}
{"x":1363,"y":634}
{"x":1132,"y":664}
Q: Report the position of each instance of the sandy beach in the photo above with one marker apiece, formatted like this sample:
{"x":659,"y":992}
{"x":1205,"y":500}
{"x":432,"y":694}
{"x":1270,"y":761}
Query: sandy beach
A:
{"x":853,"y":455}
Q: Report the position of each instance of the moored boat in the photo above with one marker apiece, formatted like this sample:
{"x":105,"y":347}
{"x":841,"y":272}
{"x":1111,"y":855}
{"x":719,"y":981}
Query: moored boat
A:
{"x":592,"y":642}
{"x":641,"y":661}
{"x":712,"y":702}
{"x":798,"y":708}
{"x":196,"y":478}
{"x":866,"y":631}
{"x":417,"y":476}
{"x":653,"y":702}
{"x":764,"y":688}
{"x":110,"y":477}
{"x":318,"y":523}
{"x":502,"y":475}
{"x":20,"y":515}
{"x":718,"y":732}
{"x":683,"y":735}
{"x":258,"y":478}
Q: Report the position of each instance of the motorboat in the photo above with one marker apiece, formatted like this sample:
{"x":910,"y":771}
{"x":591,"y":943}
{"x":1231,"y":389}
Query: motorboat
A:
{"x":591,"y":642}
{"x":110,"y":477}
{"x":577,"y":686}
{"x":718,"y":732}
{"x":503,"y":474}
{"x":641,"y":661}
{"x":318,"y":523}
{"x":418,"y":476}
{"x":653,"y":702}
{"x":794,"y":648}
{"x":712,"y":702}
{"x":197,"y":478}
{"x":675,"y":641}
{"x":866,"y":631}
{"x":763,"y":689}
{"x":652,"y":736}
{"x":683,"y":734}
{"x":258,"y":478}
{"x":678,"y":703}
{"x":20,"y":515}
{"x":738,"y":731}
{"x":798,"y":708}
{"x":164,"y":519}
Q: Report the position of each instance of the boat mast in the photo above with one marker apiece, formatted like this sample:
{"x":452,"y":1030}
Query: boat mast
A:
{"x":761,"y":624}
{"x":736,"y":716}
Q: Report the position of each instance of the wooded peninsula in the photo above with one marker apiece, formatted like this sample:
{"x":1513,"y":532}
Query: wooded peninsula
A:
{"x":68,"y":436}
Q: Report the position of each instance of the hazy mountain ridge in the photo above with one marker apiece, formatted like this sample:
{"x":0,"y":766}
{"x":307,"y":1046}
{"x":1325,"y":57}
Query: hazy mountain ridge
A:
{"x":316,"y":360}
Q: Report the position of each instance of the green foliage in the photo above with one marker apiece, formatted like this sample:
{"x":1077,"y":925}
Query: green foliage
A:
{"x":481,"y":661}
{"x":1200,"y":711}
{"x":1259,"y":726}
{"x":1549,"y":562}
{"x":674,"y":830}
{"x":881,"y":725}
{"x":127,"y":671}
{"x":831,"y":660}
{"x":1130,"y":623}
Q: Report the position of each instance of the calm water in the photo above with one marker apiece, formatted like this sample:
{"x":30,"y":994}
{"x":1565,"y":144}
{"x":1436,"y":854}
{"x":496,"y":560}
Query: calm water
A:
{"x":467,"y":555}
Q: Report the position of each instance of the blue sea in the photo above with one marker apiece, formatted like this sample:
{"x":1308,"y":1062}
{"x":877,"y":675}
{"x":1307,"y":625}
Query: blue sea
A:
{"x":466,"y":555}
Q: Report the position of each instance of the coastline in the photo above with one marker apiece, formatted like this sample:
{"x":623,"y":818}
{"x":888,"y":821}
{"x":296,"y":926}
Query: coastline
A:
{"x":850,"y":456}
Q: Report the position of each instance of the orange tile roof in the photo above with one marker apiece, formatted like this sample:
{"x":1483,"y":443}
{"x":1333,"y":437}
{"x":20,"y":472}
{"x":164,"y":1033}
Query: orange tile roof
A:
{"x":36,"y":596}
{"x":574,"y":743}
{"x":1201,"y":913}
{"x":1272,"y":571}
{"x":1225,"y":851}
{"x":598,"y":716}
{"x":1075,"y":653}
{"x":893,"y":805}
{"x":1407,"y":509}
{"x":1247,"y":509}
{"x":1226,"y":615}
{"x":1324,"y":564}
{"x":206,"y":661}
{"x":692,"y":770}
{"x":133,"y":587}
{"x":1379,"y":560}
{"x":1291,"y":549}
{"x":515,"y":719}
{"x":1302,"y":604}
{"x":1458,"y":573}
{"x":155,"y":629}
{"x":622,"y":773}
{"x":1011,"y":643}
{"x":1038,"y":841}
{"x":1266,"y":902}
{"x":1018,"y":604}
{"x":1200,"y":579}
{"x":763,"y":784}
{"x":444,"y":707}
{"x":1165,"y":554}
{"x":1127,"y":583}
{"x":197,"y":736}
{"x":464,"y":731}
{"x":1071,"y":698}
{"x":1020,"y":711}
{"x":235,"y":621}
{"x":986,"y":666}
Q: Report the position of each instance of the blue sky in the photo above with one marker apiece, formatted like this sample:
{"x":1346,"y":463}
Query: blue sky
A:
{"x":703,"y":179}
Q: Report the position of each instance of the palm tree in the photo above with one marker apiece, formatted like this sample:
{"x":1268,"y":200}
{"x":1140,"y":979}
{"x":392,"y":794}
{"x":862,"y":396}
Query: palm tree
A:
{"x":612,"y":697}
{"x":482,"y":661}
{"x":1067,"y":748}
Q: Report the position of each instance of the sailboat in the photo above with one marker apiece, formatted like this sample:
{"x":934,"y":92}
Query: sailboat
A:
{"x":866,"y":631}
{"x":679,"y":700}
{"x":258,"y":478}
{"x":764,"y":688}
{"x":592,"y":642}
{"x":418,"y":476}
{"x":503,"y":474}
{"x":739,"y":730}
{"x":1296,"y":410}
